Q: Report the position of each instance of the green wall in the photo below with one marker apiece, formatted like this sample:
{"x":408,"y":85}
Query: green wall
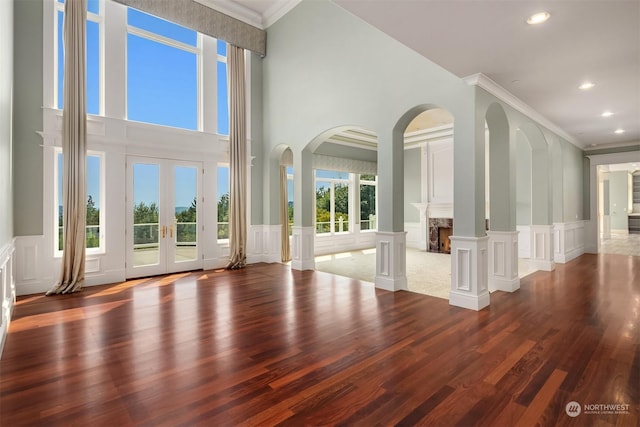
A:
{"x":523,"y":181}
{"x":573,"y":190}
{"x":326,"y":68}
{"x":256,"y":140}
{"x":619,"y":199}
{"x":27,"y":118}
{"x":412,"y":187}
{"x":6,"y":84}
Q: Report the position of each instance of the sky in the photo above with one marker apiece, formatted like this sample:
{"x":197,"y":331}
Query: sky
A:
{"x":162,"y":88}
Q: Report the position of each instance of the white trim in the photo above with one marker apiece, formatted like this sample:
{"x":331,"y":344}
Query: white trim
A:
{"x":592,"y":242}
{"x":568,"y":240}
{"x":235,"y":10}
{"x":542,"y":248}
{"x":302,"y":248}
{"x":391,"y":261}
{"x":7,"y":289}
{"x":469,"y":287}
{"x":263,"y":244}
{"x":277,"y":11}
{"x":503,"y":261}
{"x":507,"y":97}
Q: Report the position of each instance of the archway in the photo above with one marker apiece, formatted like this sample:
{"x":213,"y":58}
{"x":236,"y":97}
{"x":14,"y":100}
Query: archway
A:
{"x":503,"y":237}
{"x":327,"y":183}
{"x":541,"y":246}
{"x":391,"y":241}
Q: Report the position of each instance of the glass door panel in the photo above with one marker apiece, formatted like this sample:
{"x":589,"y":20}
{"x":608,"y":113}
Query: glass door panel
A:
{"x":185,"y":203}
{"x":146,"y":209}
{"x":162,"y":216}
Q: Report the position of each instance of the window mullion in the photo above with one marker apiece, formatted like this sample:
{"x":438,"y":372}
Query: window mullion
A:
{"x":162,"y":39}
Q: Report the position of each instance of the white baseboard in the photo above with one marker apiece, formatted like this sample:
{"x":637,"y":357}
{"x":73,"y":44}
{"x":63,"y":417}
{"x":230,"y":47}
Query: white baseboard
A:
{"x":7,"y":289}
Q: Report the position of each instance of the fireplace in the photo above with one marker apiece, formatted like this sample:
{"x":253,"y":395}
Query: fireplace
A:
{"x":439,"y":230}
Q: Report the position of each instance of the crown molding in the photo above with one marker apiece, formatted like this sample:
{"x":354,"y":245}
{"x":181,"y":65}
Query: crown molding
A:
{"x":507,"y":97}
{"x":235,"y":10}
{"x":229,"y":7}
{"x":277,"y":11}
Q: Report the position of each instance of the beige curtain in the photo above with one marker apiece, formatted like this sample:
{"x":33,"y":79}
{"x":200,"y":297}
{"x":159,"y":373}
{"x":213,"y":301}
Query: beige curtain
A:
{"x":74,"y":149}
{"x":285,"y":249}
{"x":237,"y":159}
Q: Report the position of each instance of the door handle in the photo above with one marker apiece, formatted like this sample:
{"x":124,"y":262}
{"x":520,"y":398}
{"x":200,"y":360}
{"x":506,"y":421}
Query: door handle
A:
{"x":164,"y":231}
{"x":171,"y":231}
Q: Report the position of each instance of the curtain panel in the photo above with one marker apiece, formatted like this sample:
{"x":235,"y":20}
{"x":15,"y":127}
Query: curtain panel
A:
{"x":237,"y":159}
{"x":285,"y":247}
{"x":74,"y":149}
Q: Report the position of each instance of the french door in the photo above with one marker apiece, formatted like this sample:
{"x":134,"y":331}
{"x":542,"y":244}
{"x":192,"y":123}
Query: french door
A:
{"x":163,"y":214}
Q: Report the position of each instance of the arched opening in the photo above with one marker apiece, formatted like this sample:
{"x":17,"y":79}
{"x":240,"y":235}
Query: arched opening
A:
{"x":542,"y":234}
{"x":342,"y":159}
{"x":501,"y":201}
{"x":280,"y":210}
{"x":415,"y":175}
{"x":337,"y":202}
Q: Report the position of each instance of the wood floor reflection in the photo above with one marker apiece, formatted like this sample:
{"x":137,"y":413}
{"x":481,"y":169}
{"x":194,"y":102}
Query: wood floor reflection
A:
{"x":267,"y":346}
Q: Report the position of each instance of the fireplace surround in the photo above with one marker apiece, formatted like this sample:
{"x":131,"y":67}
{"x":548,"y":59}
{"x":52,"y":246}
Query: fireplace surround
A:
{"x":438,"y":232}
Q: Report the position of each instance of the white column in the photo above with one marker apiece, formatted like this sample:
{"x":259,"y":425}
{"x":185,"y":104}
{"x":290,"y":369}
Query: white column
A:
{"x":542,"y":247}
{"x":469,"y":272}
{"x":391,"y":262}
{"x":503,"y":261}
{"x":302,"y":248}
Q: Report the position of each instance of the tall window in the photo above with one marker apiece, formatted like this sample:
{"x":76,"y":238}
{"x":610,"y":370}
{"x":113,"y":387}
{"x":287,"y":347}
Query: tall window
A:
{"x":332,"y":202}
{"x":162,"y":72}
{"x":368,"y":191}
{"x":93,"y":65}
{"x":223,"y":89}
{"x":94,"y":235}
{"x":223,"y":202}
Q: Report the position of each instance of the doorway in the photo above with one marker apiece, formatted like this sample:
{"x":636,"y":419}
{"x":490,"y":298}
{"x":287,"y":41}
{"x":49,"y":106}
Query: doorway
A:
{"x":163,"y":216}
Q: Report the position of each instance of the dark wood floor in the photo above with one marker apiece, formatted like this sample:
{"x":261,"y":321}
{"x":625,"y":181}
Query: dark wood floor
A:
{"x":268,"y":346}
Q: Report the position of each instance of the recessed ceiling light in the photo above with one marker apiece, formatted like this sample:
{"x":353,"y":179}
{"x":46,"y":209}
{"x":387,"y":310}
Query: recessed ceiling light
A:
{"x":586,"y":85}
{"x":607,"y":114}
{"x":538,"y":18}
{"x":619,"y":131}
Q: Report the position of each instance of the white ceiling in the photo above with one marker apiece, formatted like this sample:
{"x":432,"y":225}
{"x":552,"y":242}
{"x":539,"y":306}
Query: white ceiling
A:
{"x":596,"y":40}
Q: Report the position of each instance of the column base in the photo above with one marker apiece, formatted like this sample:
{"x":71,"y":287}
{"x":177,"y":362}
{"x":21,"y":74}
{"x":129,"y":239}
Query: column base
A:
{"x":391,"y":262}
{"x":302,"y":248}
{"x":469,"y":272}
{"x":503,"y":261}
{"x":542,"y":247}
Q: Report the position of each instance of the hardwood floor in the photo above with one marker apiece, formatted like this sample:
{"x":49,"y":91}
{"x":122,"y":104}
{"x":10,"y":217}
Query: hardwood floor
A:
{"x":269,"y":346}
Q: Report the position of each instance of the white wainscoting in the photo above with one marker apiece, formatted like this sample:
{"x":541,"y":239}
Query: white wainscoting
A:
{"x":8,"y":288}
{"x":36,"y":269}
{"x":469,"y":258}
{"x":542,"y":247}
{"x":391,"y":262}
{"x":503,"y":261}
{"x":568,"y":239}
{"x":524,"y":241}
{"x":330,"y":244}
{"x":32,"y":270}
{"x":302,"y":256}
{"x":416,"y":235}
{"x":264,"y":244}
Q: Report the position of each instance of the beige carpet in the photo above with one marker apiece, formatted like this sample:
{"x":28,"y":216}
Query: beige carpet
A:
{"x":427,"y":272}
